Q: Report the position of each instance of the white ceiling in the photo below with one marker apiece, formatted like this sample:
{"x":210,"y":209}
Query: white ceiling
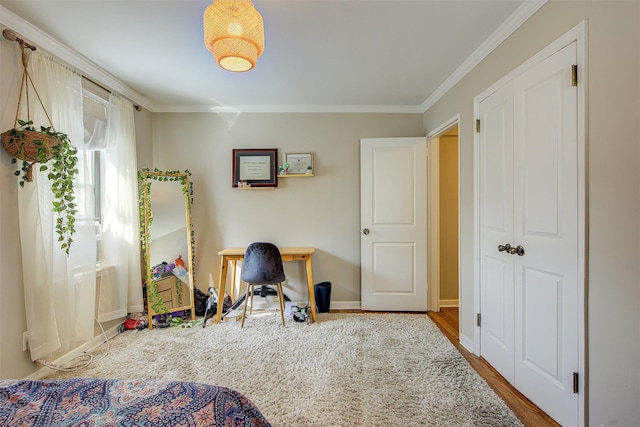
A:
{"x":320,"y":55}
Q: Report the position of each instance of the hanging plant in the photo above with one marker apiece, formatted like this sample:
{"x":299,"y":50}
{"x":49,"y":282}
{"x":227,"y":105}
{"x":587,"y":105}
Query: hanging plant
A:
{"x":53,"y":150}
{"x":56,"y":154}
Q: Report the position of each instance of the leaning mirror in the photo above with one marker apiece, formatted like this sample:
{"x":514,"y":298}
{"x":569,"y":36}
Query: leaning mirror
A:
{"x":167,"y":245}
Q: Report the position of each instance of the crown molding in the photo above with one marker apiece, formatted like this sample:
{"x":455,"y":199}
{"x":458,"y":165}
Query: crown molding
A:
{"x":519,"y":17}
{"x":383,"y":109}
{"x":44,"y":41}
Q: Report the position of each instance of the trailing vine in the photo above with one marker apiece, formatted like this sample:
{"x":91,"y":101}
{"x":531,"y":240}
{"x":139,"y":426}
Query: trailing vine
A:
{"x":178,"y":285}
{"x":155,"y":299}
{"x":61,"y":161}
{"x":146,"y":217}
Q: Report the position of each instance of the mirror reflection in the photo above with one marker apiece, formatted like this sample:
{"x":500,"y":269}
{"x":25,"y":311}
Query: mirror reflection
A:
{"x":167,"y":246}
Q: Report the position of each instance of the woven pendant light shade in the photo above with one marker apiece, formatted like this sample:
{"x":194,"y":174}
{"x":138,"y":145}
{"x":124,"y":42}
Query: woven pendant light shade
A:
{"x":234,"y":33}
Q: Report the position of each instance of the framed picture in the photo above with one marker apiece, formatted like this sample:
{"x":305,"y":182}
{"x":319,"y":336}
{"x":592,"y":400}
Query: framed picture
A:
{"x":299,"y":162}
{"x":256,"y":167}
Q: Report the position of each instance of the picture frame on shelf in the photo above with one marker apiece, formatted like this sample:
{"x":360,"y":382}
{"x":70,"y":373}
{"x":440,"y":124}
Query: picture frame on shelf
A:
{"x":299,"y":163}
{"x":255,"y":167}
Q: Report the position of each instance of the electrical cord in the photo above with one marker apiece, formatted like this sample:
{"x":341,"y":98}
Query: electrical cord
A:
{"x":75,"y":364}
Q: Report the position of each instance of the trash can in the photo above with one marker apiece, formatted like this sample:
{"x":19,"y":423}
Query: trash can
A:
{"x":322,"y":292}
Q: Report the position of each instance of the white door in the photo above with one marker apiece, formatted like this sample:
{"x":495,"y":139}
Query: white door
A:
{"x":496,"y":220}
{"x":529,"y":200}
{"x":393,"y":212}
{"x":546,"y":226}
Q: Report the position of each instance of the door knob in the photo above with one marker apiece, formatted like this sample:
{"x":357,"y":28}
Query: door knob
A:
{"x":365,"y":231}
{"x":519,"y":250}
{"x":502,"y":248}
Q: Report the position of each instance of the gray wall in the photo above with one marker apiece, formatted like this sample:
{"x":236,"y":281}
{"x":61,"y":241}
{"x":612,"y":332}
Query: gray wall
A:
{"x":14,"y":363}
{"x":613,"y":187}
{"x":322,"y":211}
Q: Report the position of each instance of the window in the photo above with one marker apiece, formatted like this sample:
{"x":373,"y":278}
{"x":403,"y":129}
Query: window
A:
{"x":92,"y":175}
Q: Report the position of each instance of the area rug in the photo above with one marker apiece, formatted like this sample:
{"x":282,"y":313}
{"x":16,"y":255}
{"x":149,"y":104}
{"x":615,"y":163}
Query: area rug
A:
{"x":344,"y":370}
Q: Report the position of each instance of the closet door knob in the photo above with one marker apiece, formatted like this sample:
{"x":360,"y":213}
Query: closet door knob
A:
{"x":502,"y":248}
{"x":365,"y":231}
{"x":519,"y":250}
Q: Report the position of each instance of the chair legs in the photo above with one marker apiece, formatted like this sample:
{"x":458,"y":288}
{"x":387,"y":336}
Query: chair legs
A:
{"x":281,"y":300}
{"x":246,"y":298}
{"x":249,"y":293}
{"x":253,"y":291}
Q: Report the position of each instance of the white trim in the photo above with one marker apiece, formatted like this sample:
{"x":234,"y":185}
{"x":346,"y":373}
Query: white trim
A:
{"x":345,"y":305}
{"x":444,"y":127}
{"x":393,"y":109}
{"x":577,"y":34}
{"x":433,"y":224}
{"x":514,"y":22}
{"x":449,"y":303}
{"x":569,"y":37}
{"x":466,"y":343}
{"x":475,"y":344}
{"x":583,"y":138}
{"x":76,"y":352}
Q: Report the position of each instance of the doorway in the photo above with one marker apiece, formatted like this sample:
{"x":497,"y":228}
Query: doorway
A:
{"x":448,"y":198}
{"x":444,"y":222}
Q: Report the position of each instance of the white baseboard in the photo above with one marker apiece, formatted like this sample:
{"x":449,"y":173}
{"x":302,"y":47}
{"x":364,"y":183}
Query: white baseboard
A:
{"x":345,"y":305}
{"x":449,"y":303}
{"x":79,"y":351}
{"x":467,"y":343}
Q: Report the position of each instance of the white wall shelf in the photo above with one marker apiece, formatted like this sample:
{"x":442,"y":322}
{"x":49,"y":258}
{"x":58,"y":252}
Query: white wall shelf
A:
{"x":296,"y":175}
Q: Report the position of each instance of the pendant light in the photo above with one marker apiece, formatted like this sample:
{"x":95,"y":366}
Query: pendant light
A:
{"x":234,"y":33}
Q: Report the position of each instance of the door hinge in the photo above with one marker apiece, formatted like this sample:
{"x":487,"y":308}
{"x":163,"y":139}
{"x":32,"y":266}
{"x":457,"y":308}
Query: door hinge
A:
{"x":478,"y":319}
{"x":478,"y":125}
{"x":574,"y":75}
{"x":575,"y":382}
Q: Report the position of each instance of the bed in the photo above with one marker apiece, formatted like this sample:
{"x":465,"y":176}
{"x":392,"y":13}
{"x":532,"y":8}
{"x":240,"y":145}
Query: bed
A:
{"x":124,"y":402}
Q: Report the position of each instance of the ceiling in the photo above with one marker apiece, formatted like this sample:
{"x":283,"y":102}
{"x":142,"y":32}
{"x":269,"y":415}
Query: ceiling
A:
{"x":320,"y":55}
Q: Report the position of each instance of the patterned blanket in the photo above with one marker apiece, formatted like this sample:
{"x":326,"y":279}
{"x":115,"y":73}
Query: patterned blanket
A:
{"x":91,"y":402}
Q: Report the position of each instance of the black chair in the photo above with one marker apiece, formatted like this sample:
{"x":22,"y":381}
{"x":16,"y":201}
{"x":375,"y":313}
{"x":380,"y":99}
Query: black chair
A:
{"x":262,"y":266}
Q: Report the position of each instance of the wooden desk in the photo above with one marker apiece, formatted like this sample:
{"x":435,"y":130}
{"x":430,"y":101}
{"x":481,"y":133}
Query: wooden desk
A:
{"x":234,"y":255}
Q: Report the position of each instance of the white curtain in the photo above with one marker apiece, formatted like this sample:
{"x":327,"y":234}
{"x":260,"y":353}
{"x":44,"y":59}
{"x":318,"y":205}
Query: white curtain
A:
{"x":59,"y":289}
{"x":120,"y":286}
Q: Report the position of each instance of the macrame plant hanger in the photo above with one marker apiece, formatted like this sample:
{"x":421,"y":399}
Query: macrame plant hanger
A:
{"x":23,"y":142}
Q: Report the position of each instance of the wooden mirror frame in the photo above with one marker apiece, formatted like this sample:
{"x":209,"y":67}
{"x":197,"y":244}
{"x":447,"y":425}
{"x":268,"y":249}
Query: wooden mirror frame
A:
{"x":155,"y":304}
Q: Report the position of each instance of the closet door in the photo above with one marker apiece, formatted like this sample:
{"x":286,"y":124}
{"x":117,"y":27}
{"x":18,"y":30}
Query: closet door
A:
{"x":546,"y":226}
{"x":496,"y":229}
{"x":528,"y":219}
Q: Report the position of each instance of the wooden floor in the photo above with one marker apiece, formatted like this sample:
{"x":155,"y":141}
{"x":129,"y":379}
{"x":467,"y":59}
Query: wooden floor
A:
{"x":528,"y":413}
